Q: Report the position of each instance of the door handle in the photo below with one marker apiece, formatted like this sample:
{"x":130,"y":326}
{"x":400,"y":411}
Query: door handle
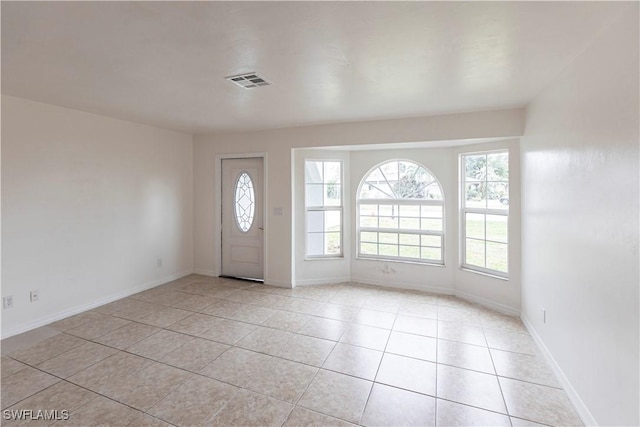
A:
{"x":260,"y":228}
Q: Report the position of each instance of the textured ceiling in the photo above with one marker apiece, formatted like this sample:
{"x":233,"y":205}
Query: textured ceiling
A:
{"x":164,"y":63}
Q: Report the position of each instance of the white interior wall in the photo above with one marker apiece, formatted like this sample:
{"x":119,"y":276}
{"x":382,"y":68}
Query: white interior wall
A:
{"x":89,"y":205}
{"x":580,"y":224}
{"x":278,"y":145}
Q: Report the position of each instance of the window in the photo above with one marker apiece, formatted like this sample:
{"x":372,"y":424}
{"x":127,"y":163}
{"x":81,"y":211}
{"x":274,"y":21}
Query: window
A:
{"x":401,"y":214}
{"x":485,"y":212}
{"x":323,"y":202}
{"x":244,"y":202}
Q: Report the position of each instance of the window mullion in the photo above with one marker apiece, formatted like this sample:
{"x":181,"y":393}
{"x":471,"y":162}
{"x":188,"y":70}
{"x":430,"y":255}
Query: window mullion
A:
{"x":485,"y":211}
{"x":485,"y":241}
{"x":324,"y":208}
{"x":402,"y":231}
{"x":414,"y":202}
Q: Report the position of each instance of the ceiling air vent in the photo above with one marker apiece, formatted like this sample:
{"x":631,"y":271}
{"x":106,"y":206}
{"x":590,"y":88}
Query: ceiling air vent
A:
{"x":248,"y":80}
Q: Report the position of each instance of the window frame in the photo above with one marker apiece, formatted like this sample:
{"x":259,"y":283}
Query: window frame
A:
{"x":464,"y":210}
{"x":323,"y":208}
{"x":400,"y":202}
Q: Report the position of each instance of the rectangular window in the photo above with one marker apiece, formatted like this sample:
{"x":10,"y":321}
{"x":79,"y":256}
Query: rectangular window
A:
{"x":485,"y":212}
{"x":323,"y":207}
{"x":406,"y":229}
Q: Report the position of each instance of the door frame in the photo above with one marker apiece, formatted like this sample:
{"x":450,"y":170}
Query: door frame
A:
{"x":217,"y":218}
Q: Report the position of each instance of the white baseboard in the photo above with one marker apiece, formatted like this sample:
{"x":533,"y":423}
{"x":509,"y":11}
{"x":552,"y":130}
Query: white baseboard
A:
{"x":574,"y":397}
{"x":42,"y":321}
{"x":278,"y":283}
{"x":213,"y":273}
{"x":411,"y":286}
{"x":440,"y":290}
{"x":505,"y":309}
{"x":204,"y":272}
{"x":322,"y":281}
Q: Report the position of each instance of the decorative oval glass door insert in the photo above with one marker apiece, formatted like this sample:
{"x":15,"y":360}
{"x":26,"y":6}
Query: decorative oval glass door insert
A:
{"x":245,"y":202}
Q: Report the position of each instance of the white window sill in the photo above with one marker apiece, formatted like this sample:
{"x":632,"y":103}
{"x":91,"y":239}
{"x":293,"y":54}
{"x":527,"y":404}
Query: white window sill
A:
{"x":400,"y":261}
{"x":484,"y":273}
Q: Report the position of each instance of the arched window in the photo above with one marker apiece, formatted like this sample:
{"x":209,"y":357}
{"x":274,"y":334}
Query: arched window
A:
{"x":401,"y":214}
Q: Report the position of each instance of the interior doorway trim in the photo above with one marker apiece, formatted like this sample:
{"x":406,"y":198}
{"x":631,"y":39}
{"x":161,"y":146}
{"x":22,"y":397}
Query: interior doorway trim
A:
{"x":217,"y":218}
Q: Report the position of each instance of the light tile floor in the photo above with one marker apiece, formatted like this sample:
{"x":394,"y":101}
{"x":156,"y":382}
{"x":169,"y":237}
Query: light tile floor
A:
{"x":211,"y":351}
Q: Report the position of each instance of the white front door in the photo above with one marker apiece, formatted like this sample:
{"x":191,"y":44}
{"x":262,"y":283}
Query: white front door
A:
{"x":242,"y":218}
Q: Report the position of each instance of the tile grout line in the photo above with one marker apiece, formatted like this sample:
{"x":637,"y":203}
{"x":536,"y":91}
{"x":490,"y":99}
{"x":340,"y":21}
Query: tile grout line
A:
{"x":322,"y":303}
{"x":173,"y":388}
{"x":318,"y":367}
{"x":504,"y":400}
{"x":113,"y":399}
{"x":52,"y":357}
{"x":373,"y":383}
{"x":235,"y":345}
{"x":295,"y":361}
{"x":435,"y":415}
{"x":65,"y":380}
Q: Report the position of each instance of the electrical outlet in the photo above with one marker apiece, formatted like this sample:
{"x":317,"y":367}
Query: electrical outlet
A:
{"x":35,"y":295}
{"x":544,"y":315}
{"x":7,"y":302}
{"x":388,"y":270}
{"x":159,"y":262}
